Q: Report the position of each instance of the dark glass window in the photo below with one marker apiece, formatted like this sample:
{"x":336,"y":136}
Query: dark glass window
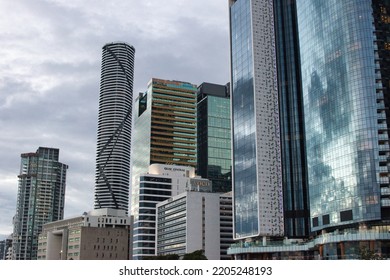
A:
{"x":325,"y":220}
{"x":315,"y":222}
{"x":346,"y":215}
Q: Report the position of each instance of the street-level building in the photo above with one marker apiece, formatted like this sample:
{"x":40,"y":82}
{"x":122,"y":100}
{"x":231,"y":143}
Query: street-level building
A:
{"x":101,"y":234}
{"x":160,"y":183}
{"x":195,"y":220}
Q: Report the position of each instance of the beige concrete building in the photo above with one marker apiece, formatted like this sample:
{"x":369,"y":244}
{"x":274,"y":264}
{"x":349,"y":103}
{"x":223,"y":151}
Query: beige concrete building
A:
{"x":102,"y":234}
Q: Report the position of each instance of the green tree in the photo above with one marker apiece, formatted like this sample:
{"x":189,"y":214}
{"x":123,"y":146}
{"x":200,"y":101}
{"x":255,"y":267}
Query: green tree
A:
{"x":165,"y":257}
{"x":196,"y":255}
{"x":366,"y":254}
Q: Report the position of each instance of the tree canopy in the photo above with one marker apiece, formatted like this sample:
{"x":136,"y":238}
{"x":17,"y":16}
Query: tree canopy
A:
{"x":366,"y":254}
{"x":196,"y":255}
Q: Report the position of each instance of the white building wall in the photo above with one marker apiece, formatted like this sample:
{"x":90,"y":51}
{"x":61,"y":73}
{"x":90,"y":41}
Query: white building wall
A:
{"x":203,"y":222}
{"x":180,"y":175}
{"x":269,"y":175}
{"x":194,"y":231}
{"x":212,"y":226}
{"x":54,"y":249}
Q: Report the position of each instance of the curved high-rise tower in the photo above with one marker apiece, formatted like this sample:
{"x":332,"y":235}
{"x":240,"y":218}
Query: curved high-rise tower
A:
{"x":114,"y":127}
{"x":345,"y":83}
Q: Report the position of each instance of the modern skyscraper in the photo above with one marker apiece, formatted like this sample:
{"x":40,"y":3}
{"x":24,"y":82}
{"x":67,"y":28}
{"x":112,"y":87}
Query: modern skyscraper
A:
{"x":257,"y":174}
{"x":164,"y":127}
{"x":345,"y":81}
{"x":341,"y":72}
{"x":41,"y":199}
{"x":164,"y":133}
{"x":214,"y":135}
{"x":295,"y":189}
{"x":112,"y":186}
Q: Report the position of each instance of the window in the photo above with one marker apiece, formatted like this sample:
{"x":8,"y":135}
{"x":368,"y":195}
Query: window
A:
{"x":315,"y":222}
{"x":325,"y":220}
{"x":346,"y":215}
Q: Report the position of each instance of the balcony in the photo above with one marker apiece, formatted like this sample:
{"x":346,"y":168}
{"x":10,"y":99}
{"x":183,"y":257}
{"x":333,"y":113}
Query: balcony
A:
{"x":383,"y":180}
{"x":384,"y":147}
{"x":382,"y":126}
{"x":385,"y":202}
{"x":385,"y":191}
{"x":380,"y":105}
{"x":383,"y":169}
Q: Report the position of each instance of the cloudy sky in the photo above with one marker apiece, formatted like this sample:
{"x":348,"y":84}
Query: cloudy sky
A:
{"x":50,"y":71}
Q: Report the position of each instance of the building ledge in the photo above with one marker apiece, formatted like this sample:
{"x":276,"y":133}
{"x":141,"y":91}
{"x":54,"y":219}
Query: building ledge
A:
{"x":299,"y":246}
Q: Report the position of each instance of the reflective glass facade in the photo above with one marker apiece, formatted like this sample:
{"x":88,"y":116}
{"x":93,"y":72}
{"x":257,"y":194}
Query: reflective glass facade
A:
{"x":164,"y":129}
{"x":214,"y":136}
{"x":41,"y":199}
{"x":295,"y":190}
{"x":345,"y":119}
{"x":165,"y":125}
{"x":257,"y":182}
{"x":165,"y":133}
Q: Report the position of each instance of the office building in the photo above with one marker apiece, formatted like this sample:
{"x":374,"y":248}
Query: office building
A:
{"x":345,"y":83}
{"x":292,"y":133}
{"x":214,"y":135}
{"x":41,"y":198}
{"x":344,"y":80}
{"x":164,"y":133}
{"x":195,"y":220}
{"x":112,"y":186}
{"x":257,"y":174}
{"x":101,"y":234}
{"x":160,"y":183}
{"x":164,"y":125}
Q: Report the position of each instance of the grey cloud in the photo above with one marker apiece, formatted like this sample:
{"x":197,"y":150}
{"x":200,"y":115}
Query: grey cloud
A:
{"x":8,"y":205}
{"x":50,"y":73}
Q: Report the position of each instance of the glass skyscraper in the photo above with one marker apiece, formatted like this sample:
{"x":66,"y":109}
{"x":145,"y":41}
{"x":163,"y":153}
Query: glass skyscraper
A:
{"x":295,"y":189}
{"x":165,"y":125}
{"x":214,"y":135}
{"x":344,"y":65}
{"x":112,"y":187}
{"x":41,"y":199}
{"x":164,"y":133}
{"x":257,"y":174}
{"x":333,"y":81}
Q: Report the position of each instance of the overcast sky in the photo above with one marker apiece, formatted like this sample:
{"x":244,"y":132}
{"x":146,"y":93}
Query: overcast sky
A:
{"x":50,"y":71}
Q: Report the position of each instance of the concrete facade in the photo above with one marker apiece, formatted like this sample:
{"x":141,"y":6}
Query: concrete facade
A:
{"x":194,"y":221}
{"x":159,"y":184}
{"x":102,"y":234}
